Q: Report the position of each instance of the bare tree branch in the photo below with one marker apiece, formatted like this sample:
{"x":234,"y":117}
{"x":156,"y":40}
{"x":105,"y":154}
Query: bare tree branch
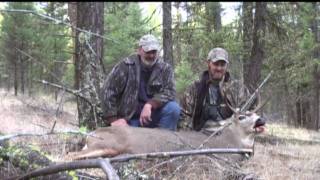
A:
{"x":147,"y":19}
{"x":95,"y":163}
{"x":40,"y":63}
{"x":57,"y":21}
{"x":74,"y":92}
{"x":108,"y":169}
{"x":10,"y":136}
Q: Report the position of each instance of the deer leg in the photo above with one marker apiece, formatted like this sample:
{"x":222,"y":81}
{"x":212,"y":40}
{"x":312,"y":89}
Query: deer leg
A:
{"x":88,"y":153}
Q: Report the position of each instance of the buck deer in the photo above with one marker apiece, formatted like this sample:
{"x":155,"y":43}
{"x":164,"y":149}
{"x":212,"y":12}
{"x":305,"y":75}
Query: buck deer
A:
{"x":116,"y":140}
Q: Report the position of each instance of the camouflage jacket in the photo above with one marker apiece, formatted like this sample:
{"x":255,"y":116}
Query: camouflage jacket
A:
{"x":231,"y":90}
{"x":121,"y":88}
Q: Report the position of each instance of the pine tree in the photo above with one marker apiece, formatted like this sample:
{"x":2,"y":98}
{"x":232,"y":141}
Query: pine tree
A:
{"x":16,"y":40}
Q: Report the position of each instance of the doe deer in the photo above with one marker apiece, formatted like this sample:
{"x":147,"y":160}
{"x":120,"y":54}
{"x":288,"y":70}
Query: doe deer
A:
{"x":116,"y":140}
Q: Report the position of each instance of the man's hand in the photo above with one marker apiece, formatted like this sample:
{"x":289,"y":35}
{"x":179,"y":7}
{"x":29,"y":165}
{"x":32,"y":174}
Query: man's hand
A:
{"x":145,"y":116}
{"x":119,"y":122}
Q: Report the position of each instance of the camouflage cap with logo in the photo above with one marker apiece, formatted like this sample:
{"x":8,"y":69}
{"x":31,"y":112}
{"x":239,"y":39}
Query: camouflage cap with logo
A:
{"x":218,"y":54}
{"x":149,"y":42}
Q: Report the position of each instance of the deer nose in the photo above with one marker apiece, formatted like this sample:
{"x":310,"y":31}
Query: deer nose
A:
{"x":260,"y":122}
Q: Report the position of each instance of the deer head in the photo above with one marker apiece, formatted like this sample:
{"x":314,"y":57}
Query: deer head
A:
{"x":248,"y":123}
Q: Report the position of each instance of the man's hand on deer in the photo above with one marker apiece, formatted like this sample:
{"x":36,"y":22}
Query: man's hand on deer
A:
{"x":119,"y":122}
{"x":145,"y":116}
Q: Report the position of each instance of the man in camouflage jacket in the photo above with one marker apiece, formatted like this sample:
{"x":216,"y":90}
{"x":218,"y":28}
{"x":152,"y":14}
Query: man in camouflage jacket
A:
{"x":203,"y":105}
{"x":140,"y":90}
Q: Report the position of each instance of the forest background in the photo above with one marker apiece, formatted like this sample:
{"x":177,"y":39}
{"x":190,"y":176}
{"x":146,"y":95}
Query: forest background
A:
{"x":53,"y":47}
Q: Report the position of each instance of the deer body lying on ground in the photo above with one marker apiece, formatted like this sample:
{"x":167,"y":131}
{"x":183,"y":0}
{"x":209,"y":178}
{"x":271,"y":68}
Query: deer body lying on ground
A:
{"x":116,"y":140}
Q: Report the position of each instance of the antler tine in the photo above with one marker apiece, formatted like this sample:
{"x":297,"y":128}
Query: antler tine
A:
{"x":258,"y":100}
{"x":230,"y":107}
{"x":260,"y":105}
{"x":228,"y":103}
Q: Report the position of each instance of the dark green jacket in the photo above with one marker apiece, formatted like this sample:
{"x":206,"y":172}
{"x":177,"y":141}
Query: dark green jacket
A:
{"x":120,"y":89}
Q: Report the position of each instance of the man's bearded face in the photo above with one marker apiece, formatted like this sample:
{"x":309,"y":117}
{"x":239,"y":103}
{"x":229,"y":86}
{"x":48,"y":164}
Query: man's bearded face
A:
{"x":217,"y":69}
{"x":148,"y":58}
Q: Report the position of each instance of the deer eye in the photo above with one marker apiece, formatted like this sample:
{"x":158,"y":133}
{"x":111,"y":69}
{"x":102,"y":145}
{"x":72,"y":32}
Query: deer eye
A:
{"x":242,"y":117}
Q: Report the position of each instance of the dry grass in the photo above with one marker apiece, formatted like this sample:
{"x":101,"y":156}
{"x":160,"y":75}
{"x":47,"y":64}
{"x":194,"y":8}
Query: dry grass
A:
{"x":281,"y":153}
{"x":284,"y":131}
{"x":285,"y":162}
{"x":290,"y":157}
{"x":24,"y":114}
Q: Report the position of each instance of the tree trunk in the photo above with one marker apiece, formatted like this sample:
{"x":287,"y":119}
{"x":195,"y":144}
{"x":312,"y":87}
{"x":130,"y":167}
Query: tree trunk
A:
{"x":177,"y":40}
{"x":8,"y":79}
{"x":303,"y":108}
{"x":189,"y":34}
{"x":15,"y":76}
{"x":14,"y":60}
{"x":217,"y":17}
{"x":213,"y":16}
{"x":167,"y":33}
{"x":89,"y":51}
{"x":213,"y":12}
{"x":315,"y":71}
{"x":253,"y":68}
{"x":22,"y":69}
{"x":29,"y":78}
{"x":247,"y":19}
{"x":316,"y":99}
{"x":306,"y":117}
{"x":22,"y":74}
{"x":72,"y":13}
{"x":289,"y":110}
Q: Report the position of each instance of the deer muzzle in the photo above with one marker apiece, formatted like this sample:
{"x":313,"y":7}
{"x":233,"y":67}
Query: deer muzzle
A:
{"x":260,"y":125}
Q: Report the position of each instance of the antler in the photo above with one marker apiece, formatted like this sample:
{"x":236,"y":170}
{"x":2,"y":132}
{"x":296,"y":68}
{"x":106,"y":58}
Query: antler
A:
{"x":230,"y":107}
{"x":256,"y":92}
{"x":223,"y":94}
{"x":260,"y":105}
{"x":257,"y":108}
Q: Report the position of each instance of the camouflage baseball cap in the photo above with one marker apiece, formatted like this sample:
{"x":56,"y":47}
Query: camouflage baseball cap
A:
{"x":217,"y":54}
{"x":149,"y":42}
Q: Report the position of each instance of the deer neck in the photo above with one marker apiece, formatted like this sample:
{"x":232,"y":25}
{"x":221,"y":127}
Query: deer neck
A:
{"x":246,"y":139}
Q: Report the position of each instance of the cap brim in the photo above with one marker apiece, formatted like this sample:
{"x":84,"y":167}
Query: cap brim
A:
{"x":219,"y":59}
{"x":150,"y":48}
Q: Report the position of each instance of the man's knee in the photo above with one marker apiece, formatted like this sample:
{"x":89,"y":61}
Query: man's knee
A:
{"x":173,"y":108}
{"x":170,"y":116}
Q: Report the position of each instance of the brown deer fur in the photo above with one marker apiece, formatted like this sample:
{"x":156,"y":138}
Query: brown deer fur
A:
{"x":115,"y":140}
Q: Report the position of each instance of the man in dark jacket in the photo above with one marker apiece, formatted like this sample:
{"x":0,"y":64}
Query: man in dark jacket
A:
{"x":204,"y":102}
{"x":140,"y":90}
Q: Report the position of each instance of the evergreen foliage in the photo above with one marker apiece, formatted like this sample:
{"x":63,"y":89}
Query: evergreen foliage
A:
{"x":124,"y":23}
{"x":33,"y":47}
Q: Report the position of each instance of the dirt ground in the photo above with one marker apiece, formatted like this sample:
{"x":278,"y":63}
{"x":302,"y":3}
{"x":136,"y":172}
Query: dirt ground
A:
{"x":280,"y":153}
{"x":23,"y":114}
